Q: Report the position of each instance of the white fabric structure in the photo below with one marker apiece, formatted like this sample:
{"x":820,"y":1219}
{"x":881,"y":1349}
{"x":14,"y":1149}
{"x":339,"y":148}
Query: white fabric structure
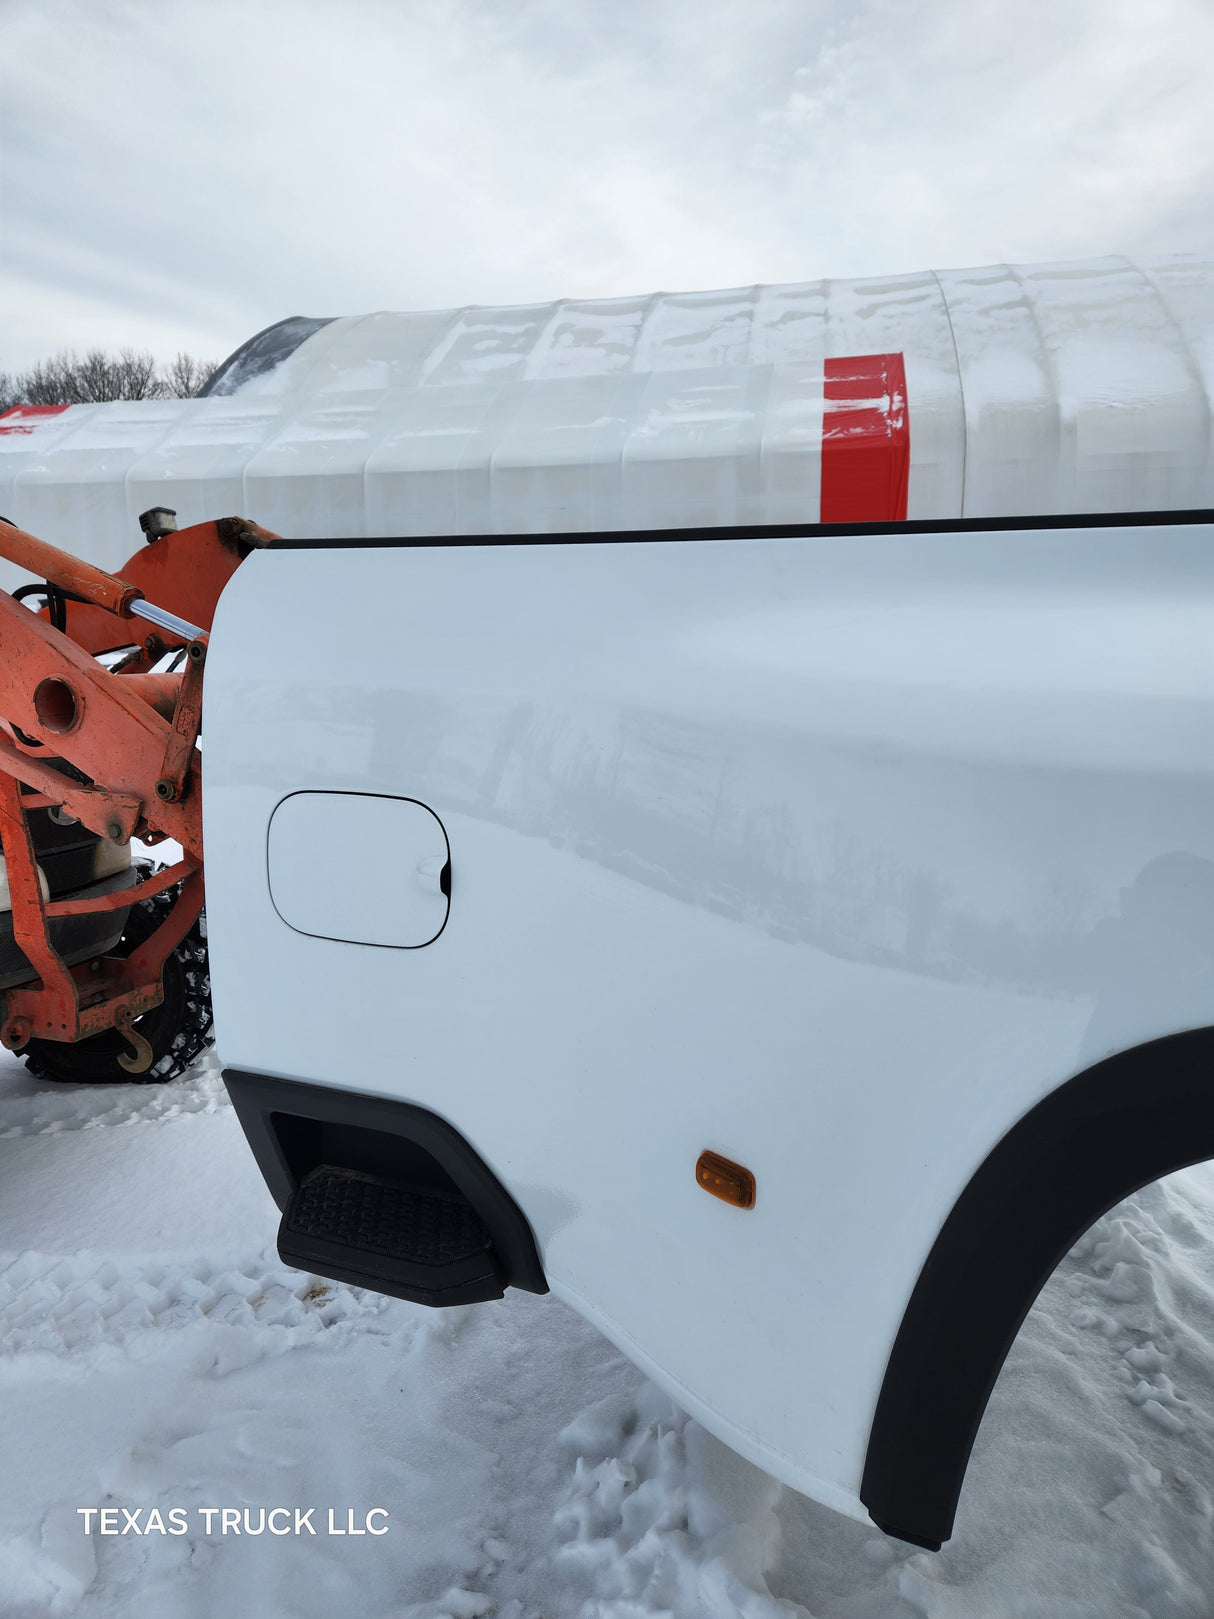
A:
{"x":1030,"y":390}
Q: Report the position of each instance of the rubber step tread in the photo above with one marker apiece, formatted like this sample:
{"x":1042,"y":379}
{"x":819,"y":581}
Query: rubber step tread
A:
{"x":372,"y":1214}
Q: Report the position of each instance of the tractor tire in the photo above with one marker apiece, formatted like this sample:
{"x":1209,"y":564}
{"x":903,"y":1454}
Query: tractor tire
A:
{"x":179,"y":1030}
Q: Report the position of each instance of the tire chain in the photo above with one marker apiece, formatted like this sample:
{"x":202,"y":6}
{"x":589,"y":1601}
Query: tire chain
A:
{"x":196,"y":1032}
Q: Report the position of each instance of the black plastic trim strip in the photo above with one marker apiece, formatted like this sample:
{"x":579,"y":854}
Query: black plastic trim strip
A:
{"x":317,"y":1240}
{"x":262,"y":1101}
{"x":1099,"y":1137}
{"x":764,"y":531}
{"x":476,"y":1290}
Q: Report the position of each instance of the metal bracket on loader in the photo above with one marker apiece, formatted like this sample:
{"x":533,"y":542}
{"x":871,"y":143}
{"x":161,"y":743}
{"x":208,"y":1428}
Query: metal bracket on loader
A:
{"x":113,"y":748}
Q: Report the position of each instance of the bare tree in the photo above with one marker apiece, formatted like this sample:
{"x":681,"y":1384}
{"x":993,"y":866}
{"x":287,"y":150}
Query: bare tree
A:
{"x":184,"y":376}
{"x":97,"y":378}
{"x":68,"y":379}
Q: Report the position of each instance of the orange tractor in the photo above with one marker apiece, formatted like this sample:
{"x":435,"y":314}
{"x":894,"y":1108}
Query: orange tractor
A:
{"x":103,"y":970}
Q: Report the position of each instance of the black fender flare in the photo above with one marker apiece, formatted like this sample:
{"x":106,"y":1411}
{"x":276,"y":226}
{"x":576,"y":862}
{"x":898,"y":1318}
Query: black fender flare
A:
{"x":1102,"y":1135}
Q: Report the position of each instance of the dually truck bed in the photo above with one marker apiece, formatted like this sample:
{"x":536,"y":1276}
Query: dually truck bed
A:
{"x":877,"y":862}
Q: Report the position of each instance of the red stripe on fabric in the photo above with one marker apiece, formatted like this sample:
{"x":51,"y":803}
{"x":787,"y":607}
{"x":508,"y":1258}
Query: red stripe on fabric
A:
{"x":24,"y":418}
{"x":865,"y":440}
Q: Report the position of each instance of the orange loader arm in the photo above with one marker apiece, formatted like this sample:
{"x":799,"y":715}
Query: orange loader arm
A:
{"x":113,"y":747}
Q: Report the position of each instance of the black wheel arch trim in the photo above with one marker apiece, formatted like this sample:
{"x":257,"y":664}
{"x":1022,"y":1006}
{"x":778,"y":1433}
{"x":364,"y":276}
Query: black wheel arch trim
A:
{"x":1097,"y":1138}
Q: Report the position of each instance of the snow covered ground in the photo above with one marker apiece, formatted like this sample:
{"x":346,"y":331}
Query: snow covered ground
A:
{"x":154,"y":1353}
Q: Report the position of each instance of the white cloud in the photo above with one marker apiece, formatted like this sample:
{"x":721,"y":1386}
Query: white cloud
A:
{"x":182,"y":175}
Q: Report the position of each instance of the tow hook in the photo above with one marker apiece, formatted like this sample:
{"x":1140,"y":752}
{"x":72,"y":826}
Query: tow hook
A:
{"x":142,"y":1060}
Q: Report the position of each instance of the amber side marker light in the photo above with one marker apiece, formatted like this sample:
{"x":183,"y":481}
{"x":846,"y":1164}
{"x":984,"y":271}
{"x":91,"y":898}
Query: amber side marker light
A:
{"x":726,"y":1180}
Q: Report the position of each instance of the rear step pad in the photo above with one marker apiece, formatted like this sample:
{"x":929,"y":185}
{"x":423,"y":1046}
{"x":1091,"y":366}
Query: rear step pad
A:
{"x":411,"y":1242}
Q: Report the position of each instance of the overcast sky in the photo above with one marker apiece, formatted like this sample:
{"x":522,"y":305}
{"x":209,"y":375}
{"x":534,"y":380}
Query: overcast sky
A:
{"x":180,"y":173}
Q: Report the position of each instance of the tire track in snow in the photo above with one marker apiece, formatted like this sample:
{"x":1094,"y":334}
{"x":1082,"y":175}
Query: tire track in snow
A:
{"x":67,"y":1304}
{"x":32,"y":1107}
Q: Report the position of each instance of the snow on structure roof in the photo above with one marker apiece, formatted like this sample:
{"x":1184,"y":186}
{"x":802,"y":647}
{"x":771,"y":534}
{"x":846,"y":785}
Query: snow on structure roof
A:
{"x":1028,"y":390}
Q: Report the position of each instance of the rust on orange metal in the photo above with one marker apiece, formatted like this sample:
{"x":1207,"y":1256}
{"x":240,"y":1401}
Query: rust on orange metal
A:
{"x":179,"y":752}
{"x":71,"y":1004}
{"x":68,"y":572}
{"x":29,"y":916}
{"x":55,"y":693}
{"x":184,"y":572}
{"x":145,"y":962}
{"x":116,"y":816}
{"x":133,"y":736}
{"x":168,"y":878}
{"x":158,"y":690}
